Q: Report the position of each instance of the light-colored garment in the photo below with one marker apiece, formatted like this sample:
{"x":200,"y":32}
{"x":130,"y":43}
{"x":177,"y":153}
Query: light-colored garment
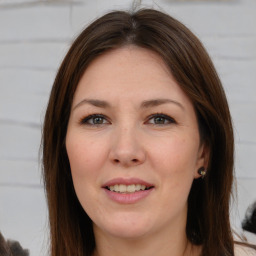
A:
{"x":244,"y":251}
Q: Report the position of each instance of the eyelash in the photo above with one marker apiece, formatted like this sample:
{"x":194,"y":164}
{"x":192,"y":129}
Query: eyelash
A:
{"x":164,"y":116}
{"x":85,"y":120}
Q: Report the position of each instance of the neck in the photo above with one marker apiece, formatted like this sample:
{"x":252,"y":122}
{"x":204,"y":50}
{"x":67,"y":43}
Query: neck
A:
{"x":175,"y":244}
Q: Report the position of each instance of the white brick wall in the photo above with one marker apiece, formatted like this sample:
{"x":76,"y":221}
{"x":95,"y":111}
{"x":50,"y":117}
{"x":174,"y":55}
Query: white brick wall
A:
{"x":38,"y":22}
{"x":34,"y":36}
{"x":32,"y":55}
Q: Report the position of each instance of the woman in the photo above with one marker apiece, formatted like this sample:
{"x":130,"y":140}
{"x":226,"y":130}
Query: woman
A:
{"x":138,"y":143}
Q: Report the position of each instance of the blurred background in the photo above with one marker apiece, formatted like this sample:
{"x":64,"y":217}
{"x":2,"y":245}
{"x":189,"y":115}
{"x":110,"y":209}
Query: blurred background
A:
{"x":34,"y":37}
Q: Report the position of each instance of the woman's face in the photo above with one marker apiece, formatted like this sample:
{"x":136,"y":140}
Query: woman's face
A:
{"x":133,"y":145}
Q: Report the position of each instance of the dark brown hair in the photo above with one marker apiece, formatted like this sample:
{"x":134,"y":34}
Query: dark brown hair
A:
{"x":11,"y":248}
{"x":208,"y":203}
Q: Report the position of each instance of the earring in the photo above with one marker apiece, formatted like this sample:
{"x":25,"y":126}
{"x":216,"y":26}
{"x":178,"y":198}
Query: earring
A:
{"x":202,"y":171}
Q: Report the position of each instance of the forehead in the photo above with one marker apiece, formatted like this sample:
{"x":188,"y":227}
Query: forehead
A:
{"x":128,"y":73}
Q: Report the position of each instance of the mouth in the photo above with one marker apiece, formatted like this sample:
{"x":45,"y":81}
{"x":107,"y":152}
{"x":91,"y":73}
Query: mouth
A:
{"x":128,"y":189}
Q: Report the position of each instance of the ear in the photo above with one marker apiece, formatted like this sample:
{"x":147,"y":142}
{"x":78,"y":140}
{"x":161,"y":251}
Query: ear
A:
{"x":202,"y":159}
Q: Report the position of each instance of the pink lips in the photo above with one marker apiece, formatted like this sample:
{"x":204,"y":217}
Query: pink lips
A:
{"x":128,"y":181}
{"x":127,"y":198}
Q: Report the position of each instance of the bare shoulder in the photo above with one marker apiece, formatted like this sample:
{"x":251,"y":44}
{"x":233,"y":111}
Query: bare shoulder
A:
{"x":241,"y":250}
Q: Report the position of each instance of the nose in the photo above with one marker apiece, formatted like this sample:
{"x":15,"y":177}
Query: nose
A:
{"x":127,"y":148}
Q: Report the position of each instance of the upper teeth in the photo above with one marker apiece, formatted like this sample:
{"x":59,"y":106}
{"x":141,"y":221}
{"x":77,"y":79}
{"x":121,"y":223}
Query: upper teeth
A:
{"x":121,"y":188}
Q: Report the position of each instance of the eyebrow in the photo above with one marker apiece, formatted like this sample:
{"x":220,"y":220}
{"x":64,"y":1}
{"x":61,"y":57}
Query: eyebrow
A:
{"x":94,"y":102}
{"x":157,"y":102}
{"x":144,"y":104}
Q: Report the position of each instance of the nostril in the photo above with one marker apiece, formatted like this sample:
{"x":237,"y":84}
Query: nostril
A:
{"x":133,"y":160}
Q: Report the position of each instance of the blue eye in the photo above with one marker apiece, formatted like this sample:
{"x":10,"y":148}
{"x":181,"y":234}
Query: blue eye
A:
{"x":95,"y":119}
{"x":161,"y":119}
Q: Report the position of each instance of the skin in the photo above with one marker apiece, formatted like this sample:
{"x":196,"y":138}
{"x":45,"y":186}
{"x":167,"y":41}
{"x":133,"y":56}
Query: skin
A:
{"x":128,"y":142}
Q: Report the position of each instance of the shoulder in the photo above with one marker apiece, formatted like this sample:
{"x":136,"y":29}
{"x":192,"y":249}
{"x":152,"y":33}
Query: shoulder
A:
{"x":242,"y":250}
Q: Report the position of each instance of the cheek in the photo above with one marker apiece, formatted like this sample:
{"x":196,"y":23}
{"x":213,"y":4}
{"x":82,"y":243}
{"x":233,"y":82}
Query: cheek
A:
{"x":175,"y":155}
{"x":175,"y":162}
{"x":85,"y":156}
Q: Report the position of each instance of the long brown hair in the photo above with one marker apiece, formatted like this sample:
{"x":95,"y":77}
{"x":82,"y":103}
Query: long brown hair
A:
{"x":208,"y":203}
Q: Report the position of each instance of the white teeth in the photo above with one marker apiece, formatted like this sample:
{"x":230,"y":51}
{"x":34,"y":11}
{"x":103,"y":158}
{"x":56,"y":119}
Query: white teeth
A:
{"x":116,"y":188}
{"x":131,"y":188}
{"x":137,"y":187}
{"x":121,"y":188}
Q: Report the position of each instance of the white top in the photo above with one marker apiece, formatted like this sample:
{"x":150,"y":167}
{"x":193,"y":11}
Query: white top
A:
{"x":244,"y":251}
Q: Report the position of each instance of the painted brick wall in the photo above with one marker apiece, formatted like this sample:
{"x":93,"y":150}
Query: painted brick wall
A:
{"x":34,"y":36}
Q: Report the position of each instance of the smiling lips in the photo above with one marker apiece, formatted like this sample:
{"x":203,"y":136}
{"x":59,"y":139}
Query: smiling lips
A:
{"x":127,"y":191}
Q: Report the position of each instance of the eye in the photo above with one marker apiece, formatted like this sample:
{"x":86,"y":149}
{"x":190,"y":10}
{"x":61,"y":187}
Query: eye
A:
{"x":95,"y":119}
{"x":160,"y":119}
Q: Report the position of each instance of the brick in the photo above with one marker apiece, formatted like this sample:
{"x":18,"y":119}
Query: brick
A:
{"x":244,"y":161}
{"x":8,"y":3}
{"x":82,"y":15}
{"x":244,"y":118}
{"x":20,"y":173}
{"x":234,"y":48}
{"x":188,"y":1}
{"x":23,"y":217}
{"x":19,"y":141}
{"x":215,"y":18}
{"x":24,"y":110}
{"x":238,"y":78}
{"x":46,"y":55}
{"x":35,"y":22}
{"x":18,"y":3}
{"x":25,"y":96}
{"x":27,"y":81}
{"x":27,"y":109}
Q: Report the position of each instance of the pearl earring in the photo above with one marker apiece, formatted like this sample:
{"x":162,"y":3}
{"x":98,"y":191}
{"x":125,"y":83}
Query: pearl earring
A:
{"x":202,"y":171}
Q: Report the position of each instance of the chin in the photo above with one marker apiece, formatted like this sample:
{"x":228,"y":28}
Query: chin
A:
{"x":128,"y":233}
{"x":128,"y":228}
